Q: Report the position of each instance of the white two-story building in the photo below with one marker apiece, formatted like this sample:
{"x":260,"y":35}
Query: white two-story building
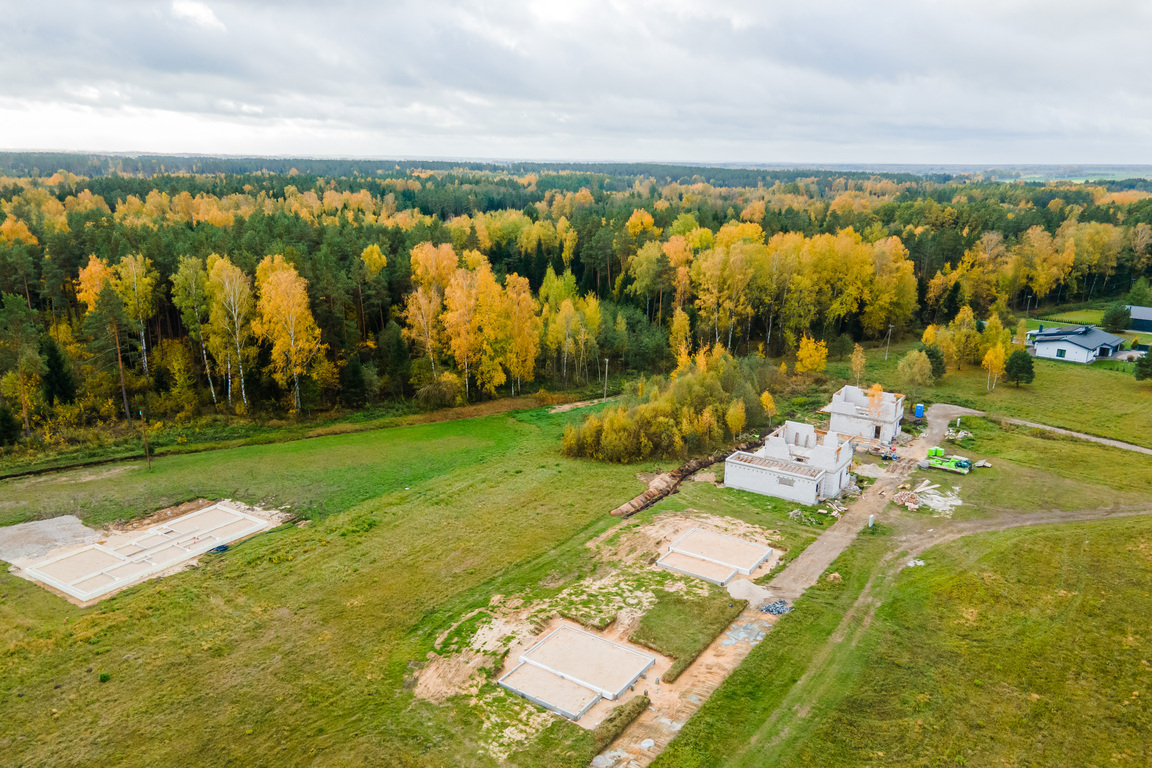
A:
{"x":797,"y":462}
{"x":855,"y":412}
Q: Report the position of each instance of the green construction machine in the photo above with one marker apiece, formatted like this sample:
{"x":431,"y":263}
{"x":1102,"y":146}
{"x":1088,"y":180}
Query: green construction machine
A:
{"x":957,"y":464}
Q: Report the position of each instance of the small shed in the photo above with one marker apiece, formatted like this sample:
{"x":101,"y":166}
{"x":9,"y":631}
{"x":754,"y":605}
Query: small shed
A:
{"x":1141,"y":319}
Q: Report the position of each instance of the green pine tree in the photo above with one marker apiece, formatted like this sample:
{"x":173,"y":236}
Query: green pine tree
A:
{"x":58,"y":381}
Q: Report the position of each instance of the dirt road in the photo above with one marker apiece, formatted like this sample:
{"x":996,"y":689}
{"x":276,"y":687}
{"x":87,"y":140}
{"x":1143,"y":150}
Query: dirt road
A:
{"x":1080,"y":435}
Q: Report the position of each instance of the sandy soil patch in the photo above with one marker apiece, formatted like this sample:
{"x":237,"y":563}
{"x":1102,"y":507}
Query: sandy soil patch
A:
{"x":29,"y":541}
{"x":582,"y":404}
{"x":646,"y":543}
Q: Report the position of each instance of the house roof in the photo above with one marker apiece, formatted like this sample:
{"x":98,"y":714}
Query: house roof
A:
{"x":1085,"y":336}
{"x":783,"y":467}
{"x":1140,"y":313}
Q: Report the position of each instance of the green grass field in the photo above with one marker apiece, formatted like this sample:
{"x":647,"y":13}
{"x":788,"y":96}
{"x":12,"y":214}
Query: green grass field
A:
{"x":300,"y":645}
{"x":1076,"y":316}
{"x":1026,"y":647}
{"x":1034,"y":470}
{"x":297,"y":644}
{"x":1087,"y":399}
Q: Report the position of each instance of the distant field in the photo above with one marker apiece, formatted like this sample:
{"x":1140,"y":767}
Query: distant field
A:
{"x":1076,"y":317}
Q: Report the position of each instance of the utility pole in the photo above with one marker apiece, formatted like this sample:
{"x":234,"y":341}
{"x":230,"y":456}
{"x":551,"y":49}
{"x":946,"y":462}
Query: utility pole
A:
{"x":1028,"y":306}
{"x":889,"y":344}
{"x":605,"y":378}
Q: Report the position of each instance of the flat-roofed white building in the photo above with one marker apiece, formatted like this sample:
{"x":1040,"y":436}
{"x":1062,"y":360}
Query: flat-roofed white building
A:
{"x":797,"y":462}
{"x":854,"y":412}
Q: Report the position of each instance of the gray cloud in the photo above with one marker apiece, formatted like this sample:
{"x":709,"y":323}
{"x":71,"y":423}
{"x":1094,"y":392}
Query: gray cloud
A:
{"x":837,"y":81}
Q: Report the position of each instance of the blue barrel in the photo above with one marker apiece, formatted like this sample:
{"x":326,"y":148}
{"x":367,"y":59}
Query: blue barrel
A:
{"x":919,"y":410}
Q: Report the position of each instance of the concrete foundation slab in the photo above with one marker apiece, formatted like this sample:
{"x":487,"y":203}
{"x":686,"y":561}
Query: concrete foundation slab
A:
{"x":714,"y":573}
{"x":92,"y":571}
{"x":605,"y":667}
{"x":721,"y":549}
{"x":550,"y":690}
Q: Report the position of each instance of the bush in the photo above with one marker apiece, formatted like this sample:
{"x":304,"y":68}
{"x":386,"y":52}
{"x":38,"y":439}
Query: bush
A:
{"x":696,"y":412}
{"x":441,"y":392}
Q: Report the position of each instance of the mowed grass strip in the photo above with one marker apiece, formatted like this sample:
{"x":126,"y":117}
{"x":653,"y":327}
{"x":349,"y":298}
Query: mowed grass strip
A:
{"x":1026,"y":647}
{"x":682,"y":626}
{"x":298,"y":647}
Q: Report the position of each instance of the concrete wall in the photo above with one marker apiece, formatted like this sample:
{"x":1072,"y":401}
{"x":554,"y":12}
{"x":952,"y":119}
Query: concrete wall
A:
{"x":860,"y":426}
{"x":1072,"y":353}
{"x":748,"y":477}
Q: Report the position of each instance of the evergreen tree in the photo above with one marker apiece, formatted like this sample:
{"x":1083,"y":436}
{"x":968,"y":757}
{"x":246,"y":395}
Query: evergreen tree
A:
{"x":1143,"y":369}
{"x":394,"y":359}
{"x":58,"y":381}
{"x":353,"y":388}
{"x":106,"y":325}
{"x":9,"y":426}
{"x":1141,"y":294}
{"x":935,"y":357}
{"x":1117,"y":318}
{"x":1019,"y":368}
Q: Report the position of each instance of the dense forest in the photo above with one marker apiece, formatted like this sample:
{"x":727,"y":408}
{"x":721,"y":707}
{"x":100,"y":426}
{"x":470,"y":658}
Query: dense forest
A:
{"x":182,"y":287}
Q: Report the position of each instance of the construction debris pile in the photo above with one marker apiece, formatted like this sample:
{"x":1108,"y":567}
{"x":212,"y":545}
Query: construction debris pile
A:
{"x":926,"y":494}
{"x":802,"y":517}
{"x":778,"y":608}
{"x":953,"y":434}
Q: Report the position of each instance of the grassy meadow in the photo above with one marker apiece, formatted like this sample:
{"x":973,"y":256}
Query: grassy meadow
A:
{"x":1091,"y":399}
{"x":1024,"y":647}
{"x":299,"y":644}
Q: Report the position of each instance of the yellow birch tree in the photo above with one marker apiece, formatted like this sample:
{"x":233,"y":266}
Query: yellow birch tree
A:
{"x":284,"y":318}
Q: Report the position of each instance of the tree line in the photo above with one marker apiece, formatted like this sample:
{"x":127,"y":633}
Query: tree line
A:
{"x":181,"y":294}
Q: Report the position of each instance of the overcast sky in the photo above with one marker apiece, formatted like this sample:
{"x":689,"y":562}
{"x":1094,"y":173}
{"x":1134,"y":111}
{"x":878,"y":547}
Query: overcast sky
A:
{"x":970,"y":81}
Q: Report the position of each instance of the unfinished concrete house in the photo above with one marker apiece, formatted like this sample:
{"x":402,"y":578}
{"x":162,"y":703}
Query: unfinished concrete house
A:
{"x":871,"y":415}
{"x":797,"y":462}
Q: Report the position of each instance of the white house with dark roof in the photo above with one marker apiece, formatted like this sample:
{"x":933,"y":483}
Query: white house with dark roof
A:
{"x":1074,"y":343}
{"x":797,"y":462}
{"x":854,"y":412}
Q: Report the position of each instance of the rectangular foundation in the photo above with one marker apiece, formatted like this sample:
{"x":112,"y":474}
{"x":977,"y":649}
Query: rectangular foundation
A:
{"x":721,"y":549}
{"x":95,"y":570}
{"x":687,"y":565}
{"x":549,"y":690}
